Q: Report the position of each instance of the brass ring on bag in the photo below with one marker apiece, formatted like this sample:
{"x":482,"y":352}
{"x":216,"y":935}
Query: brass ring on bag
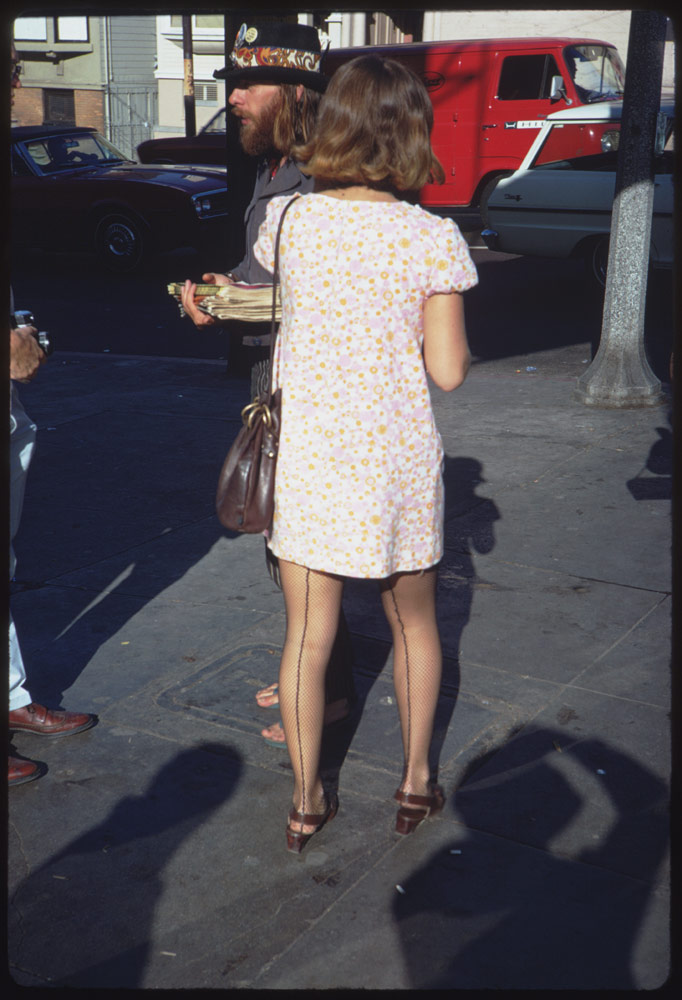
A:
{"x":247,"y":410}
{"x":253,"y":411}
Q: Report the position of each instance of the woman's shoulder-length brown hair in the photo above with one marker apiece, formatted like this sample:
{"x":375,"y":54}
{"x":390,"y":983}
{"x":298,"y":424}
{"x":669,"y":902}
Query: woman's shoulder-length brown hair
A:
{"x":373,"y":127}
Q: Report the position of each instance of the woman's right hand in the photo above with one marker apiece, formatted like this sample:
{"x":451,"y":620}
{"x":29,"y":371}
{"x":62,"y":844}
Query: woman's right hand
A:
{"x":190,"y":307}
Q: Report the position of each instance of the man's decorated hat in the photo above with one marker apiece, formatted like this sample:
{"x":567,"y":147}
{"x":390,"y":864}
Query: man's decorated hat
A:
{"x":278,"y":52}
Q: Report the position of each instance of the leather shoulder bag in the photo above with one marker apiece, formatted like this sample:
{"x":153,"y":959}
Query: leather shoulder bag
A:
{"x":245,"y":500}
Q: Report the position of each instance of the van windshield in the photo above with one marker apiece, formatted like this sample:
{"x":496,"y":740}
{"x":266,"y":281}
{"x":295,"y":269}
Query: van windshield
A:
{"x":597,"y":71}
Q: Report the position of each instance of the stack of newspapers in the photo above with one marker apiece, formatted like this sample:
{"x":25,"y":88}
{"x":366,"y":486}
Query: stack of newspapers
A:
{"x":249,"y":303}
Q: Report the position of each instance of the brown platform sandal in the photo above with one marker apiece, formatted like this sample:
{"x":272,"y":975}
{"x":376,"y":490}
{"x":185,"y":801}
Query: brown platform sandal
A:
{"x":414,"y":809}
{"x":296,"y":840}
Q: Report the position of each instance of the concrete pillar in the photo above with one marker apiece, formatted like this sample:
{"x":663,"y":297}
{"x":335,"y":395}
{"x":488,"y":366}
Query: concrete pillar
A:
{"x":353,"y":29}
{"x":620,"y":375}
{"x":432,"y":31}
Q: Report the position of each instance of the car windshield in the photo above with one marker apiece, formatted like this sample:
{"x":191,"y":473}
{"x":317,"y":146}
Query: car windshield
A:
{"x":64,"y":152}
{"x":598,"y":73}
{"x":216,"y":124}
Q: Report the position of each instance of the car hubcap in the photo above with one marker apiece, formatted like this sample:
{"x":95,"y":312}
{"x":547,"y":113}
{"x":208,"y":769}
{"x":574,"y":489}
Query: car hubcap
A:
{"x":120,"y":240}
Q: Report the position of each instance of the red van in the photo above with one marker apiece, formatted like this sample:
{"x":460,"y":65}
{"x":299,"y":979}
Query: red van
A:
{"x":490,"y":97}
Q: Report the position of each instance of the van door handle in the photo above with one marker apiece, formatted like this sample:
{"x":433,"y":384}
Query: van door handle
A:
{"x":488,"y":126}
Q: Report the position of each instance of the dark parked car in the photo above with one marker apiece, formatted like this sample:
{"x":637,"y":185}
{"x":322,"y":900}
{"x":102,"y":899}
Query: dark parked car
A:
{"x":73,"y":190}
{"x":216,"y":143}
{"x":209,"y":145}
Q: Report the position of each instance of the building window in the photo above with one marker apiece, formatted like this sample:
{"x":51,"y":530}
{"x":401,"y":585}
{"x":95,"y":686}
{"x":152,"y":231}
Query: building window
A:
{"x":200,"y":20}
{"x":63,"y":29}
{"x":30,"y":29}
{"x":206,"y":93}
{"x":59,"y":107}
{"x":71,"y":29}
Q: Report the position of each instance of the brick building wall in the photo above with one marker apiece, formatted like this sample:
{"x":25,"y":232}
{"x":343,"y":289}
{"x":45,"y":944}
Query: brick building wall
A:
{"x":28,"y":106}
{"x":90,"y":108}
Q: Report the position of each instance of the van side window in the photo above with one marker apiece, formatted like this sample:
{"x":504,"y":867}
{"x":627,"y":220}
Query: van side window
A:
{"x":527,"y":78}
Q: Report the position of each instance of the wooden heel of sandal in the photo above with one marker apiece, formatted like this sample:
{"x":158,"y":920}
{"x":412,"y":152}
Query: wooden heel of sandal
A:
{"x":414,"y":809}
{"x":296,"y":839}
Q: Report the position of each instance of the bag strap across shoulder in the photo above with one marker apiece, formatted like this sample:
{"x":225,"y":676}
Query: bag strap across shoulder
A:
{"x":275,"y":275}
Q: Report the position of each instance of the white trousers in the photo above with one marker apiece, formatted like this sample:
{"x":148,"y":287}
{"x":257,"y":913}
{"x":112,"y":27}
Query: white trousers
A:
{"x":22,"y":444}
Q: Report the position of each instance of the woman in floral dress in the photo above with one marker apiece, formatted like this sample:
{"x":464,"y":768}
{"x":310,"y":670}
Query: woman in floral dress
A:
{"x":372,"y":300}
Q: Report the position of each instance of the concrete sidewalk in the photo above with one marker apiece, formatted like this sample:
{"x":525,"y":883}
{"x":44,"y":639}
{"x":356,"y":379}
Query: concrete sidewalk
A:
{"x":152,"y":853}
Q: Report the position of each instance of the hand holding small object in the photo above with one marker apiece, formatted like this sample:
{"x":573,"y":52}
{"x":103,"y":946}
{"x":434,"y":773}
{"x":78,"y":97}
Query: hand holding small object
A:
{"x":26,"y":354}
{"x":188,"y":303}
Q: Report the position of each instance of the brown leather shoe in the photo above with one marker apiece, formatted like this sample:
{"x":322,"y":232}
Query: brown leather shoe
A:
{"x":20,"y":771}
{"x":47,"y":722}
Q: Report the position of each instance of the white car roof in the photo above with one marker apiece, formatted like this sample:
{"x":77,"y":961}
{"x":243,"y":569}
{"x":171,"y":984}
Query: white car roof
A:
{"x":603,"y":111}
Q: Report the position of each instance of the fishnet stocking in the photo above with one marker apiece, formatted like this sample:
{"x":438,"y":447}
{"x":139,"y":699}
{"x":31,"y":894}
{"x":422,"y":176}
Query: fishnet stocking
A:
{"x":313,"y":606}
{"x":409,"y":601}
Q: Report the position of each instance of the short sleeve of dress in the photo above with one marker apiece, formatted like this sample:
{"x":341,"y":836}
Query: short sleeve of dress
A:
{"x":264,"y":249}
{"x":452,"y":269}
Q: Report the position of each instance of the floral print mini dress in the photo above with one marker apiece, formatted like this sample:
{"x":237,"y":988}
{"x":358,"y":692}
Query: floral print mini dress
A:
{"x":359,"y":489}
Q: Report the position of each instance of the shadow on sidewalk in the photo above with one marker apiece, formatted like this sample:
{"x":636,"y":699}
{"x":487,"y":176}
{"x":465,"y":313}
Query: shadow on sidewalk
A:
{"x":548,"y":884}
{"x":84,"y":919}
{"x":655,"y":480}
{"x":129,"y":518}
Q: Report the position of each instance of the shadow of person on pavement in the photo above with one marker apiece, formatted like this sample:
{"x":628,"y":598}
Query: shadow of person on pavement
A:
{"x":549,"y":880}
{"x":469,"y":529}
{"x":126,"y":521}
{"x":469,"y":521}
{"x":655,"y":481}
{"x":84,"y":918}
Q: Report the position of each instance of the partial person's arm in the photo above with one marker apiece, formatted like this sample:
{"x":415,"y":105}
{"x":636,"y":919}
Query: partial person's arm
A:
{"x":446,"y":351}
{"x":25,"y":354}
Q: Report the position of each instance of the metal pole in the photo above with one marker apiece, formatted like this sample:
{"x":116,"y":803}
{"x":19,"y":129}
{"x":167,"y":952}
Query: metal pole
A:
{"x":188,"y":86}
{"x":620,"y":375}
{"x":108,"y":127}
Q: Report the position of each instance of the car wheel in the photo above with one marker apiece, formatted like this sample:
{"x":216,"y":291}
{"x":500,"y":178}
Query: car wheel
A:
{"x":597,"y":259}
{"x":120,"y":242}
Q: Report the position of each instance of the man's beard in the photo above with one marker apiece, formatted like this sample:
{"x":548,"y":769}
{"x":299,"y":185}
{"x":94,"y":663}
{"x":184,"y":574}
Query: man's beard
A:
{"x":256,"y":134}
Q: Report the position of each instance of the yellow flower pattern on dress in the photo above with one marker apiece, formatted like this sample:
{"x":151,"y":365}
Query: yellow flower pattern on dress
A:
{"x":359,"y":488}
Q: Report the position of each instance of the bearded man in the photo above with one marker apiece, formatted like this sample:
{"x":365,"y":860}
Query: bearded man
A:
{"x":276,"y":80}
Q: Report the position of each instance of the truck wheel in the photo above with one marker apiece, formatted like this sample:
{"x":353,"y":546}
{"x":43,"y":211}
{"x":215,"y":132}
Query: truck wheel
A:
{"x":596,"y":259}
{"x":120,"y":242}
